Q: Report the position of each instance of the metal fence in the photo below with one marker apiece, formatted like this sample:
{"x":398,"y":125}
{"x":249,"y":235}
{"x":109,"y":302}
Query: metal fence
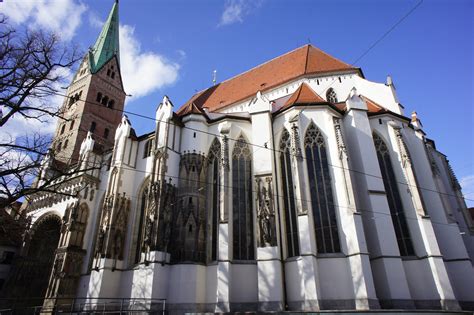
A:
{"x":27,"y":306}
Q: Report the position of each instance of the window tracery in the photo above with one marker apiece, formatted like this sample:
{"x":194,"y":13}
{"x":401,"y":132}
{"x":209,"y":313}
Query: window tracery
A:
{"x":393,"y":197}
{"x":242,"y":222}
{"x":190,"y":245}
{"x":291,"y":227}
{"x":331,"y":96}
{"x":214,"y":175}
{"x":322,"y":200}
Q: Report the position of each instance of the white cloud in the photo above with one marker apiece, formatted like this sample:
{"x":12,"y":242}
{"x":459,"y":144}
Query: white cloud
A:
{"x":236,"y":10}
{"x":143,"y":72}
{"x":181,"y":53}
{"x":95,"y":21}
{"x":467,"y":184}
{"x":60,"y":16}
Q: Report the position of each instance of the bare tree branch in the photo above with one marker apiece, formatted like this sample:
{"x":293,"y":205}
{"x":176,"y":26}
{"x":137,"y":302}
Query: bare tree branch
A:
{"x":32,"y":67}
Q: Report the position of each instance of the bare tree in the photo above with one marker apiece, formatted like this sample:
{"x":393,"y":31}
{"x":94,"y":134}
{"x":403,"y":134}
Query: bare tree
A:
{"x":32,"y":64}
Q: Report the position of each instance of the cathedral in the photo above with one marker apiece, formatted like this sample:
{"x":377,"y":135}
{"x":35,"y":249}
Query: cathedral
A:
{"x":297,"y":185}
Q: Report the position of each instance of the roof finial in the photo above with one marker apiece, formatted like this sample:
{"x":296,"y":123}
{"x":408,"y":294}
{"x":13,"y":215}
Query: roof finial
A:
{"x":214,"y":77}
{"x":390,"y":81}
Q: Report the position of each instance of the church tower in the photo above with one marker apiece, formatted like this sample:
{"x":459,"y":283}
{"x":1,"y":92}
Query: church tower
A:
{"x":95,"y":98}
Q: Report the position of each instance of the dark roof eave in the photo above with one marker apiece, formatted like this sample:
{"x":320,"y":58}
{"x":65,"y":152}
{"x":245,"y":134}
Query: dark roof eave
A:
{"x":145,"y":136}
{"x":332,"y":106}
{"x":388,"y":112}
{"x":229,"y":117}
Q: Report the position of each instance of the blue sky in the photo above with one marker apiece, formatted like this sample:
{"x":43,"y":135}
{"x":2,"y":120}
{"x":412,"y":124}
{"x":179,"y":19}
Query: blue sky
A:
{"x":175,"y":45}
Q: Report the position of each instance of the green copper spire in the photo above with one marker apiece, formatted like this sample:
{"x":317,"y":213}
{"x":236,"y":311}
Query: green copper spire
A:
{"x":107,"y":45}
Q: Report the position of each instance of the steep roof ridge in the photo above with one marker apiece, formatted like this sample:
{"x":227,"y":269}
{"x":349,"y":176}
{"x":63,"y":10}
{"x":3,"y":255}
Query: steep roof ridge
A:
{"x":307,"y":58}
{"x":262,"y":64}
{"x":300,"y":88}
{"x":295,"y":97}
{"x":107,"y":44}
{"x":337,"y":59}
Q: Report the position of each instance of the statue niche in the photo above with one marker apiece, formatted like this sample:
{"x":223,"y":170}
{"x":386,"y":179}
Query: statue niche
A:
{"x":265,"y":212}
{"x":113,"y":227}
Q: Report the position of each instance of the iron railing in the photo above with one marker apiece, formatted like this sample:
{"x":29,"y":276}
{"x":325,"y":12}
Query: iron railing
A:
{"x":27,"y":306}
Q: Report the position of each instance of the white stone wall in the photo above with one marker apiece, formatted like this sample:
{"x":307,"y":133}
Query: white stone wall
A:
{"x":368,"y":272}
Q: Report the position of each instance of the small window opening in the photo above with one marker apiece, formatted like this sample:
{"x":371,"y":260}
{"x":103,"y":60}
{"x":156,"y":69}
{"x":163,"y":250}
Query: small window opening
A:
{"x":194,"y":135}
{"x":99,"y":97}
{"x":380,"y":121}
{"x":62,"y":128}
{"x":317,"y":81}
{"x":190,"y":229}
{"x":190,"y":200}
{"x":65,"y":144}
{"x":92,"y":128}
{"x":111,"y":104}
{"x":72,"y":125}
{"x":331,"y":96}
{"x":59,"y":146}
{"x":113,"y":75}
{"x":105,"y":100}
{"x":108,"y":72}
{"x":106,"y":133}
{"x":340,"y":81}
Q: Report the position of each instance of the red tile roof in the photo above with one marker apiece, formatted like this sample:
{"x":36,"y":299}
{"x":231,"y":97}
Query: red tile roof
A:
{"x":190,"y":108}
{"x":297,"y":63}
{"x":304,"y":95}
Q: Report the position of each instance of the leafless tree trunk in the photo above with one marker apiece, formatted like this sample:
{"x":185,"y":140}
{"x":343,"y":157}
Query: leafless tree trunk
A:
{"x":32,"y":67}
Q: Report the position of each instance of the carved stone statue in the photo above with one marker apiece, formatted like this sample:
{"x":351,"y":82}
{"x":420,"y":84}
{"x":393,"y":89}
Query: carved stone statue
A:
{"x":265,"y":212}
{"x":100,"y":244}
{"x":147,"y":235}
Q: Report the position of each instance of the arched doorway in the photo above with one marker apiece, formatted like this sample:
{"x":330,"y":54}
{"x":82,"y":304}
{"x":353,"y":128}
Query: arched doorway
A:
{"x":30,"y":274}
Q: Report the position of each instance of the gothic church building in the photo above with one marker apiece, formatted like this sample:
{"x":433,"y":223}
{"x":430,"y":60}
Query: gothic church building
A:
{"x":298,"y":184}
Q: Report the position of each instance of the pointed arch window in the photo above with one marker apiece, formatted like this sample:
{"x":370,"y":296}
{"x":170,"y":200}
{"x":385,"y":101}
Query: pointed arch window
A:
{"x":393,"y":197}
{"x":331,"y":96}
{"x":148,"y":148}
{"x":291,"y":227}
{"x":242,"y":218}
{"x":214,"y":192}
{"x":105,"y":100}
{"x":322,"y":200}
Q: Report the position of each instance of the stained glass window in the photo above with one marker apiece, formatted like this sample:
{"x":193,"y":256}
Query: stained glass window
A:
{"x":242,"y":221}
{"x":291,"y":227}
{"x":214,"y":182}
{"x":393,"y":197}
{"x":322,"y":200}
